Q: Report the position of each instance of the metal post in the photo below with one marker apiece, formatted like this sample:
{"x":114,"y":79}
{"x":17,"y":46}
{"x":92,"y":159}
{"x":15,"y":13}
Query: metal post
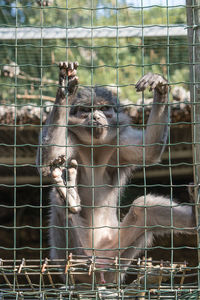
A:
{"x":193,"y":22}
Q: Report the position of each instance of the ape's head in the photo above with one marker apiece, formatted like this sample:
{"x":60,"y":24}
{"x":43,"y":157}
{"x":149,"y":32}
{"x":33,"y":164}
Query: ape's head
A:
{"x":95,"y":114}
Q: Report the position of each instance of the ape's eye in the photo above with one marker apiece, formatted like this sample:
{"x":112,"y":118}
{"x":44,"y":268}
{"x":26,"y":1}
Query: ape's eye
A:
{"x":84,"y":109}
{"x":104,"y":108}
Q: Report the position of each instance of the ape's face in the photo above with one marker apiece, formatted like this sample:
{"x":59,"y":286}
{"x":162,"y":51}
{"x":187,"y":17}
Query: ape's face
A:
{"x":95,"y":120}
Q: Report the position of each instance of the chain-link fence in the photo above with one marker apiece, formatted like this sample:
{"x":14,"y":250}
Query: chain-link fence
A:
{"x":109,"y":208}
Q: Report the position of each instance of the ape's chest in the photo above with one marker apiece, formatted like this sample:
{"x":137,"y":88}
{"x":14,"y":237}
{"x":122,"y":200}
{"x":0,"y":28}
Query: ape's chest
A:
{"x":96,"y":176}
{"x":96,"y":185}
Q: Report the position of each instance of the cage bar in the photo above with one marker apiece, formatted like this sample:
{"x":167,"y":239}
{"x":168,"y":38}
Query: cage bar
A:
{"x":193,"y":19}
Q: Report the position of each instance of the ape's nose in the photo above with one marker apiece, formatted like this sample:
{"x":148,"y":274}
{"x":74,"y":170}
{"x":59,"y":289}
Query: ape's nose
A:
{"x":96,"y":116}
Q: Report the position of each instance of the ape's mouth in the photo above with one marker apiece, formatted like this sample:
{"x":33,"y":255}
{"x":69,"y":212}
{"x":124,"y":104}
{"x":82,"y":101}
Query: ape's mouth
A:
{"x":96,"y":131}
{"x":96,"y":124}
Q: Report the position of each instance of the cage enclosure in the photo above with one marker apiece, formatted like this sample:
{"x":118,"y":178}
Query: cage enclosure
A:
{"x":99,"y":160}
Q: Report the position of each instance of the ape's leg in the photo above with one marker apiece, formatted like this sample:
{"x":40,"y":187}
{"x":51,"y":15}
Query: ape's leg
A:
{"x":157,"y":215}
{"x":149,"y":216}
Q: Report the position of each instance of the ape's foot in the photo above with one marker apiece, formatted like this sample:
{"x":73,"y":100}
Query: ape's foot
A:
{"x":73,"y":164}
{"x":58,"y":162}
{"x":68,"y":70}
{"x":72,"y":173}
{"x":56,"y":167}
{"x":66,"y":189}
{"x":153,"y":81}
{"x":73,"y":197}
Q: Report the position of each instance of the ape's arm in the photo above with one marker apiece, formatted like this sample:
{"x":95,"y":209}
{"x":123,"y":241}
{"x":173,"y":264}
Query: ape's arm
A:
{"x":54,"y":131}
{"x":147,"y":146}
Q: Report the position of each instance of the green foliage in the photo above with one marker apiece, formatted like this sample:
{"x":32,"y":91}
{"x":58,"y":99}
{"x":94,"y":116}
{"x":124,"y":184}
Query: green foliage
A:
{"x":103,"y":61}
{"x":182,"y":77}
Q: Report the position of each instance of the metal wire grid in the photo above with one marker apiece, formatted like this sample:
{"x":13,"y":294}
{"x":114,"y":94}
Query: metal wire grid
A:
{"x":11,"y":270}
{"x":30,"y":278}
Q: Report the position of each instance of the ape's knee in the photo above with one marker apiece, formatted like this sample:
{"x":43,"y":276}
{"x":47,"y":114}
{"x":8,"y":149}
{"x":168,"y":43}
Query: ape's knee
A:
{"x":151,"y":207}
{"x":139,"y":205}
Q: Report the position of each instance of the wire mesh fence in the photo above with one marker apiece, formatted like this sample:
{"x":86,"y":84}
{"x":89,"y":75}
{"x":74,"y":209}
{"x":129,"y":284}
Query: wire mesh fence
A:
{"x":110,"y":208}
{"x":37,"y":280}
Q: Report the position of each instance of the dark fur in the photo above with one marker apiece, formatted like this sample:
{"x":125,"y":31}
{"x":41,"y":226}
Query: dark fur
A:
{"x":114,"y":144}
